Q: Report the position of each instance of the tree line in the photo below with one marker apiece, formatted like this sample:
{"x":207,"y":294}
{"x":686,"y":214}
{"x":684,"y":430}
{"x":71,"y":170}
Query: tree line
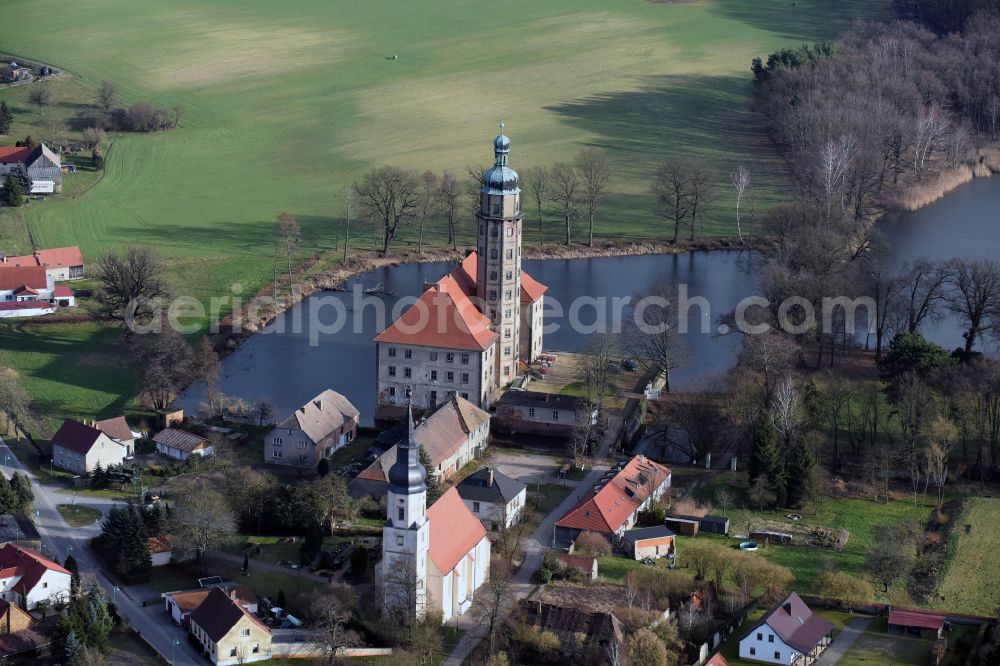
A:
{"x":887,"y":106}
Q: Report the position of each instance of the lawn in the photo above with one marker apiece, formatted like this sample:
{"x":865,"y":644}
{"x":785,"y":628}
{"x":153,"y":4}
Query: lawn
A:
{"x":548,"y":496}
{"x":973,"y":557}
{"x":876,"y":646}
{"x":858,"y":516}
{"x":79,"y":515}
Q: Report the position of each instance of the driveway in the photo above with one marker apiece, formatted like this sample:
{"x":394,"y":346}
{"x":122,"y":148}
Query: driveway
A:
{"x":843,"y":641}
{"x":527,"y":468}
{"x":58,"y":539}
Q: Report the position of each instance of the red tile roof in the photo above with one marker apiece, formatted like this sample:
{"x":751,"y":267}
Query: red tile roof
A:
{"x":466,"y":274}
{"x":116,"y":428}
{"x":717,"y":660}
{"x":609,"y":508}
{"x":916,"y":619}
{"x":12,"y":277}
{"x":158,"y":545}
{"x":13,"y":154}
{"x":26,"y":305}
{"x":76,"y":436}
{"x":454,"y":531}
{"x":442,"y":317}
{"x":531,"y":289}
{"x":62,"y":291}
{"x":58,"y":257}
{"x":30,"y":564}
{"x":218,"y":614}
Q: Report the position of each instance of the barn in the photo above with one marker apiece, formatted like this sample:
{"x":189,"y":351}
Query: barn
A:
{"x":646,"y":542}
{"x":925,"y":625}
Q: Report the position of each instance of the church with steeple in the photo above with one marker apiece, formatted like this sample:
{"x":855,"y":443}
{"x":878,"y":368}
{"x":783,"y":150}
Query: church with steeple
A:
{"x":468,"y":332}
{"x":433,"y":558}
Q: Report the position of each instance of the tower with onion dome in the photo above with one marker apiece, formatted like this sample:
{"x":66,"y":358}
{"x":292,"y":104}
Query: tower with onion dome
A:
{"x":499,"y":247}
{"x":406,"y":533}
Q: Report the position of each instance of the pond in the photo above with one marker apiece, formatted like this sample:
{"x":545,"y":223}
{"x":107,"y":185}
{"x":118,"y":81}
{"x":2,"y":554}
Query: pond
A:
{"x":283,"y":365}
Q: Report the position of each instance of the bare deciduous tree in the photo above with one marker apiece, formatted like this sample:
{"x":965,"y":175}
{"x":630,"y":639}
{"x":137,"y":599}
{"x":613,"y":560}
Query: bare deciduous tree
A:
{"x":288,"y":234}
{"x":650,"y":334}
{"x":536,"y":183}
{"x":566,"y":195}
{"x":493,"y":602}
{"x":975,"y":297}
{"x":670,"y":186}
{"x":133,"y":281}
{"x":107,"y":95}
{"x":202,"y":520}
{"x":428,"y":202}
{"x":595,"y":171}
{"x":449,"y":194}
{"x":389,"y":197}
{"x":740,"y":178}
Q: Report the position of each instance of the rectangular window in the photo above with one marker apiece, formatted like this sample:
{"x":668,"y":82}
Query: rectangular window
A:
{"x":777,"y":655}
{"x":506,"y":334}
{"x":407,"y":372}
{"x":510,"y":254}
{"x":451,"y":377}
{"x":399,"y":539}
{"x":508,"y":295}
{"x":407,"y":353}
{"x":507,"y":313}
{"x":434,"y":398}
{"x":510,"y":275}
{"x":555,"y":414}
{"x":760,"y":636}
{"x":392,"y":352}
{"x":465,"y":396}
{"x":493,"y":254}
{"x":510,"y":231}
{"x":232,"y":653}
{"x":392,"y":371}
{"x":434,"y":356}
{"x":244,"y":632}
{"x":256,"y":648}
{"x":465,"y":378}
{"x":493,"y":295}
{"x":531,"y":412}
{"x":475,"y":507}
{"x":450,"y":357}
{"x":400,"y":513}
{"x":275,"y":454}
{"x":392,"y":391}
{"x":506,"y":351}
{"x":276,"y":441}
{"x":753,"y":651}
{"x":434,"y":375}
{"x":493,"y":275}
{"x":770,"y":638}
{"x":465,"y":359}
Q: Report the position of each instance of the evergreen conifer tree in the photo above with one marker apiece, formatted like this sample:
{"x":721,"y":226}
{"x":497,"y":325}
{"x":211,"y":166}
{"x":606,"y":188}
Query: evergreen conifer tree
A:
{"x":74,"y":569}
{"x":22,"y":490}
{"x":72,"y":647}
{"x":312,"y":544}
{"x":12,"y":194}
{"x":6,"y":118}
{"x":766,"y":459}
{"x":433,"y":489}
{"x":801,"y":474}
{"x":23,"y":179}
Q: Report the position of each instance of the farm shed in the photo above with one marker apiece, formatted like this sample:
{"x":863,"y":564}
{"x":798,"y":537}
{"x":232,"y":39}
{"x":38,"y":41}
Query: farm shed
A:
{"x":925,"y":625}
{"x":649,"y":542}
{"x":685,"y":525}
{"x":585,"y":565}
{"x":769,"y":536}
{"x":714,"y":525}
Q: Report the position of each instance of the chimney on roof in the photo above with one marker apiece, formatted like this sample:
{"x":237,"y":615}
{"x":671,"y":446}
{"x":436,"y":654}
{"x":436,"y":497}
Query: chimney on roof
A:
{"x":489,"y":477}
{"x":232,"y":593}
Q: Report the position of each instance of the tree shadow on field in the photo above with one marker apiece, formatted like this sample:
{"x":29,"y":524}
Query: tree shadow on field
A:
{"x":801,"y":20}
{"x":690,"y":116}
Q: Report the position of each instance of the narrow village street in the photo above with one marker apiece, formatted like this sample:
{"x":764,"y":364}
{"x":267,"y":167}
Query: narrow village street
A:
{"x":59,"y":539}
{"x":534,"y":551}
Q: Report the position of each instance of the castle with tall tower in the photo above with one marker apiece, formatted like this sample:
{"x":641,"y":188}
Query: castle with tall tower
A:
{"x":468,"y":332}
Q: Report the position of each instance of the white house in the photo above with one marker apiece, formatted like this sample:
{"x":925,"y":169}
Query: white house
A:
{"x":790,"y":633}
{"x":80,"y":448}
{"x":119,"y":430}
{"x":160,"y":551}
{"x":181,"y":603}
{"x":27,"y":578}
{"x":181,"y":445}
{"x":433,"y":558}
{"x":493,"y":497}
{"x":313,"y":431}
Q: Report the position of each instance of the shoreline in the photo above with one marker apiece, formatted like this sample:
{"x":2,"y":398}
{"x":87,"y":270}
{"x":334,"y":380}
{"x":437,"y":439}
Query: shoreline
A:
{"x":334,"y":277}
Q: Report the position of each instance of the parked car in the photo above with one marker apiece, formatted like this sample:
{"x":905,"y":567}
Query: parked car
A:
{"x":630,"y":365}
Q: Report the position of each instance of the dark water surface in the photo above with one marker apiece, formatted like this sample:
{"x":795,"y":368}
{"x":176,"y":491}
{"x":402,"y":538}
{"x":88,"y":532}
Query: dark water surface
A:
{"x":287,"y":369}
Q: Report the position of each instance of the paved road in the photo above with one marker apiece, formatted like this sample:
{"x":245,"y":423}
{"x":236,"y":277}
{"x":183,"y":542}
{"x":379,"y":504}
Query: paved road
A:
{"x":534,"y":548}
{"x":843,"y":641}
{"x":58,"y":539}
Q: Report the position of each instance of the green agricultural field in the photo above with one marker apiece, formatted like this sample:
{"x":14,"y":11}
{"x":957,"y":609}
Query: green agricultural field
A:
{"x":973,"y":557}
{"x":285,"y":104}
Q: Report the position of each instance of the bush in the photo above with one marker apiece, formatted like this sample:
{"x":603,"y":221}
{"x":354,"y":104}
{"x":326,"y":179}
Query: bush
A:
{"x":593,"y":544}
{"x":633,"y":619}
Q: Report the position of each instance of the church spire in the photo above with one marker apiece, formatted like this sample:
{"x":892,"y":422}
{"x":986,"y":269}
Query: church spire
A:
{"x":407,"y":475}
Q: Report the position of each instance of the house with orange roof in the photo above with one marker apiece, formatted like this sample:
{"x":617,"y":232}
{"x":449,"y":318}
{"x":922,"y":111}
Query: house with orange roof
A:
{"x":433,"y":558}
{"x":613,"y":505}
{"x":62,"y":263}
{"x":468,"y":331}
{"x":28,"y":578}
